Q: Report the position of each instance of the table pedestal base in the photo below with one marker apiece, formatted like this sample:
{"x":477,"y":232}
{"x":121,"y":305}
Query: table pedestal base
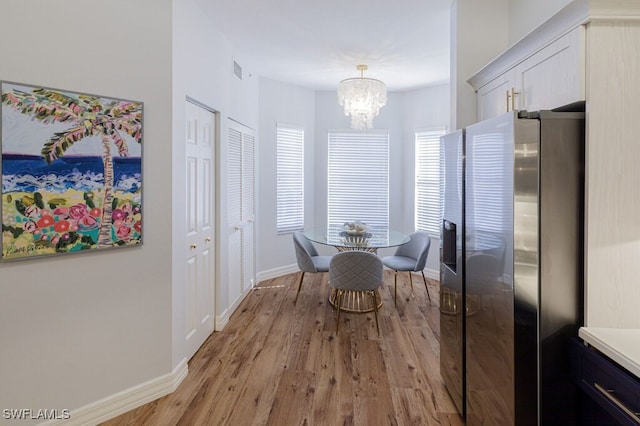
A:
{"x":355,"y":301}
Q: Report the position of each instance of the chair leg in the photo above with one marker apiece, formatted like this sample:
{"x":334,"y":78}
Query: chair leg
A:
{"x":395,"y":288}
{"x":339,"y":296}
{"x":411,"y":280}
{"x":375,"y":310}
{"x":299,"y":287}
{"x":425,"y":287}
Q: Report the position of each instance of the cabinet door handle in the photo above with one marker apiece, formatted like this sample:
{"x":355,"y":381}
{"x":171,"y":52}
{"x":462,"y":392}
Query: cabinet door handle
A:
{"x":513,"y":99}
{"x":508,"y":97}
{"x":607,"y":393}
{"x":193,"y":246}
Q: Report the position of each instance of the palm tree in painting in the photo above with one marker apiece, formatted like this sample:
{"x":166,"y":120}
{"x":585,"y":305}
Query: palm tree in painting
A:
{"x":88,"y":116}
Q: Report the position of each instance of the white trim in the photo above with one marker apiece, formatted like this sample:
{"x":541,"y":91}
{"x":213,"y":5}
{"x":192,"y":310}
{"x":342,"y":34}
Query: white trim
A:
{"x":290,"y":269}
{"x":223,"y":319}
{"x":576,"y":13}
{"x":277,"y":272}
{"x":126,"y":400}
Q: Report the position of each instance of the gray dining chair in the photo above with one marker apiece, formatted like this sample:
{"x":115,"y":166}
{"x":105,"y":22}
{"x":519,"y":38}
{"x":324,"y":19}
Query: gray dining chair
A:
{"x":410,"y":257}
{"x":355,"y":271}
{"x":307,"y":258}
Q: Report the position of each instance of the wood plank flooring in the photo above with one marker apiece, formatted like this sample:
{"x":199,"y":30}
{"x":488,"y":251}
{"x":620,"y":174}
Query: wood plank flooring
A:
{"x":276,"y":363}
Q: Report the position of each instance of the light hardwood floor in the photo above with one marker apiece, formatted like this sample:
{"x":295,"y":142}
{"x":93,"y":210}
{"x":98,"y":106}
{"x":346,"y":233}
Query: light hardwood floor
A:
{"x":276,"y":363}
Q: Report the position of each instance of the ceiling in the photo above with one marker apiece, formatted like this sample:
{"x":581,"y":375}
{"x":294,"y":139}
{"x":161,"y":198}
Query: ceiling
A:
{"x":316,"y":43}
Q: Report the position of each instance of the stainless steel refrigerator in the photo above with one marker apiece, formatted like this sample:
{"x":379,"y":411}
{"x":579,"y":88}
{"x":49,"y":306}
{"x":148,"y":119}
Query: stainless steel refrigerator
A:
{"x":512,"y":266}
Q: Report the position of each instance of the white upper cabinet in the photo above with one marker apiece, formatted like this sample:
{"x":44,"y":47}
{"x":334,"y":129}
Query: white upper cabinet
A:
{"x":549,"y":78}
{"x":554,"y":76}
{"x":495,"y":97}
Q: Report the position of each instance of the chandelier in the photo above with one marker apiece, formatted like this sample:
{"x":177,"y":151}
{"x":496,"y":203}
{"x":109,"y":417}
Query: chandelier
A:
{"x":362,"y":99}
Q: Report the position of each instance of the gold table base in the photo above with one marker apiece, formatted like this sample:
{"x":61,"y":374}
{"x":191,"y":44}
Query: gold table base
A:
{"x":355,"y":301}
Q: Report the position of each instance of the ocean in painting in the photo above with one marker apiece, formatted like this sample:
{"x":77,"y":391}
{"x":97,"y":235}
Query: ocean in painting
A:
{"x":30,"y":173}
{"x":58,"y":207}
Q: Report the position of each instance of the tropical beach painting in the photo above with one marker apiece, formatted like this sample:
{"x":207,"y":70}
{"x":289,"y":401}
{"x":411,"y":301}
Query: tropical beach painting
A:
{"x":71,"y":172}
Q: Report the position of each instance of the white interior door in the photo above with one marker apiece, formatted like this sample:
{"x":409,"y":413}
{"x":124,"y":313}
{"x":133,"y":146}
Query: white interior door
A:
{"x":241,"y":211}
{"x":234,"y":214}
{"x":248,"y":210}
{"x":200,"y":226}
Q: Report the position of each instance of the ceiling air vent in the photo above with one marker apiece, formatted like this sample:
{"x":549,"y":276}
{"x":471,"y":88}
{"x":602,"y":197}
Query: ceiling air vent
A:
{"x":237,"y":70}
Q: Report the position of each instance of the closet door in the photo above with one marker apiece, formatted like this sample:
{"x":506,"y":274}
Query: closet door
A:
{"x":200,"y":258}
{"x":241,"y":211}
{"x":248,"y":210}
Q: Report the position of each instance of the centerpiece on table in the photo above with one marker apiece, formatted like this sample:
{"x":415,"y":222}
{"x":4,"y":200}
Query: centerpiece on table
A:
{"x":356,"y":232}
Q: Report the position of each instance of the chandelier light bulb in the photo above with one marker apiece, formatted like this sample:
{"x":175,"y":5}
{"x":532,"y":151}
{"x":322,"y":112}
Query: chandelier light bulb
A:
{"x":362,"y":99}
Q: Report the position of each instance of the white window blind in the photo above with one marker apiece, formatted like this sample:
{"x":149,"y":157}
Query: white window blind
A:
{"x":358,"y":178}
{"x":290,"y":178}
{"x":427,"y":185}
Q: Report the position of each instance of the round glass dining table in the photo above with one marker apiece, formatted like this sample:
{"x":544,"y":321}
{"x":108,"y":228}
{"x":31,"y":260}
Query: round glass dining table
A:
{"x":371,"y":240}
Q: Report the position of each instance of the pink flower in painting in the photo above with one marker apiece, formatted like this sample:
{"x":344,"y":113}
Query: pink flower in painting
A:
{"x":61,"y":211}
{"x":95,"y":212}
{"x":127,"y":209}
{"x":61,"y":226}
{"x":138,"y":226}
{"x":87,"y":222}
{"x":78,"y":211}
{"x":45,"y":221}
{"x":30,"y":226}
{"x":75,"y":108}
{"x":32,"y":211}
{"x":117,"y":214}
{"x":123,"y":233}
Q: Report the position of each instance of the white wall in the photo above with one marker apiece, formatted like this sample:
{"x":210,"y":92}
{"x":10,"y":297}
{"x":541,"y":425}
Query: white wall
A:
{"x":479,"y":32}
{"x":423,"y":109}
{"x":319,"y":112}
{"x":77,"y":328}
{"x":286,"y":104}
{"x":526,"y":15}
{"x":202,"y":70}
{"x":404,"y":113}
{"x":330,"y":116}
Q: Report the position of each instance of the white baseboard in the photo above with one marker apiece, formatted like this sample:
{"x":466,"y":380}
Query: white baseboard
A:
{"x":223,"y":319}
{"x":277,"y":272}
{"x":126,"y":400}
{"x":290,"y":269}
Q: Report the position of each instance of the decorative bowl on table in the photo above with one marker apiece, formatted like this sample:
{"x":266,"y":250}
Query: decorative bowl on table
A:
{"x":356,"y":228}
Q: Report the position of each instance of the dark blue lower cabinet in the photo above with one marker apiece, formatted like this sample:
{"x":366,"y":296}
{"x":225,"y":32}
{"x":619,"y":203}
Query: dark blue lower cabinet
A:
{"x":610,"y":395}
